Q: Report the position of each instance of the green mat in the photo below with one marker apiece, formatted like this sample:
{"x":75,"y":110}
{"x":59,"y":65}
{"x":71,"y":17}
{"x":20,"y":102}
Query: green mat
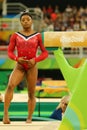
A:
{"x":18,"y":111}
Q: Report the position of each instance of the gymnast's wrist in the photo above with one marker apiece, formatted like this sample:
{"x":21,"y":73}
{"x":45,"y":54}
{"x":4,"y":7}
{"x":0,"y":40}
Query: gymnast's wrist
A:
{"x":35,"y":60}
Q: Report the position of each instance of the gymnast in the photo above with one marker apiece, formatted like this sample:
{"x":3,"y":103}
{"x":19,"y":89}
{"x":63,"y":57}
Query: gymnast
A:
{"x":26,"y":42}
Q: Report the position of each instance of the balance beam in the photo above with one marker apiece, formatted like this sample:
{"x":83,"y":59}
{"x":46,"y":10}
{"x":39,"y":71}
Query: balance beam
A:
{"x":65,"y":39}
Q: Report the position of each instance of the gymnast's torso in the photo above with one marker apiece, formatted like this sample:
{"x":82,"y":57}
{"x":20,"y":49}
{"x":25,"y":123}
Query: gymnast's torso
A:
{"x":26,"y":45}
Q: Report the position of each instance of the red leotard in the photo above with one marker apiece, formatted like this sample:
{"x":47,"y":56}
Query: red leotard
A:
{"x":26,"y":47}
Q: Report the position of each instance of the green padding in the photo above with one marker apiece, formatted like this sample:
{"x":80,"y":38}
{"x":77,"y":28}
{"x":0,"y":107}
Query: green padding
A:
{"x":68,"y":71}
{"x":18,"y":111}
{"x":51,"y":48}
{"x":75,"y":117}
{"x":22,"y":106}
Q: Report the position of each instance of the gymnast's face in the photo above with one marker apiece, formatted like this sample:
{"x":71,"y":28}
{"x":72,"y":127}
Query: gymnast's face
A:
{"x":26,"y":21}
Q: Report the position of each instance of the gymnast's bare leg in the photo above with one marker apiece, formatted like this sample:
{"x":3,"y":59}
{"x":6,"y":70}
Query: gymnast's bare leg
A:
{"x":15,"y":78}
{"x":31,"y":77}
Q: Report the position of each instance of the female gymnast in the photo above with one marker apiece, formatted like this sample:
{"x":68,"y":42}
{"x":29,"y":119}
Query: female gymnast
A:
{"x":26,"y":42}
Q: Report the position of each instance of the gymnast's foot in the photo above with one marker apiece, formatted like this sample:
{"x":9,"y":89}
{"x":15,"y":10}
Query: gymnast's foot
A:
{"x":6,"y":120}
{"x":28,"y":120}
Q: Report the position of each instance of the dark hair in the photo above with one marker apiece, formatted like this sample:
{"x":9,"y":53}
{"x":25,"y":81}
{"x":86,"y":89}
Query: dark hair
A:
{"x":25,"y":13}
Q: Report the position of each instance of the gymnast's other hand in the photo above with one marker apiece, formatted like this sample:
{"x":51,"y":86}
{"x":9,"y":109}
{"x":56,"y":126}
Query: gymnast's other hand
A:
{"x":21,"y":60}
{"x":31,"y":63}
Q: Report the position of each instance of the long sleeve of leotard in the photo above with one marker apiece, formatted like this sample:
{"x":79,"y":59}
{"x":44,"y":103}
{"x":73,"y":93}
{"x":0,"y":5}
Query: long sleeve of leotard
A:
{"x":11,"y":48}
{"x":44,"y":52}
